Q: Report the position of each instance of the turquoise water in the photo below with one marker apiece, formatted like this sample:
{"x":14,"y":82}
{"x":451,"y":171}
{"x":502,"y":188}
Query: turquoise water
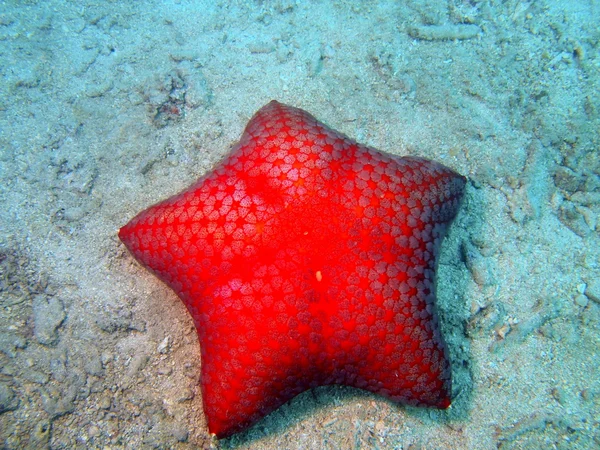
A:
{"x":107,"y":108}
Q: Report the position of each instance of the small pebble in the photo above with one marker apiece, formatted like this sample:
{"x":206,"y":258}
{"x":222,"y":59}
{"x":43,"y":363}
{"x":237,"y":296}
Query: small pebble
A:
{"x":184,"y":395}
{"x":165,"y":370}
{"x":592,"y":290}
{"x":138,"y":362}
{"x":165,"y":345}
{"x":581,"y":300}
{"x":104,"y":402}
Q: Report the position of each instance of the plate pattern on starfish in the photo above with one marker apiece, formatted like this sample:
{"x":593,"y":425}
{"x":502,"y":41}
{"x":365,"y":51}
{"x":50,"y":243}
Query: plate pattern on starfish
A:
{"x":306,"y":259}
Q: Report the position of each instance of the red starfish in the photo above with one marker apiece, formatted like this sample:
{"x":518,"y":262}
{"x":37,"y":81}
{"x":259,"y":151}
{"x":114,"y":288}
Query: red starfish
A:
{"x":306,"y":259}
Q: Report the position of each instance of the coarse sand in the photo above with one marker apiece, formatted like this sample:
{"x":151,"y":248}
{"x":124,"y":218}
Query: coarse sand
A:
{"x":109,"y":107}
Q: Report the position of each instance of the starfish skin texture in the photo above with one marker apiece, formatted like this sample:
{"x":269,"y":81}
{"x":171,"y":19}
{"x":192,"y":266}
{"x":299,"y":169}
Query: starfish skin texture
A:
{"x":306,"y":259}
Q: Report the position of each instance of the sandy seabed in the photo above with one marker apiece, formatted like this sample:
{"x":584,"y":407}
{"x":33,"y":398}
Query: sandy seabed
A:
{"x":108,"y":108}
